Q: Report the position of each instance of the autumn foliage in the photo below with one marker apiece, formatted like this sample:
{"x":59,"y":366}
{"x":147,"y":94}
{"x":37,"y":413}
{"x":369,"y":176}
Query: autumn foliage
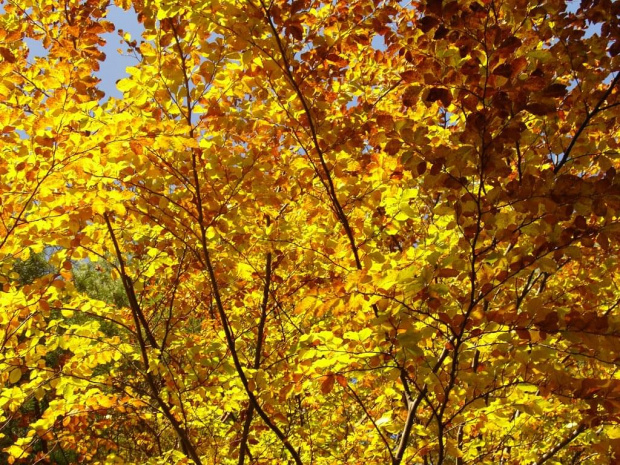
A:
{"x":311,"y":232}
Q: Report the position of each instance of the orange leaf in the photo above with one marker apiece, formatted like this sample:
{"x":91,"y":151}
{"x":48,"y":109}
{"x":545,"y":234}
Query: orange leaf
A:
{"x":327,"y":384}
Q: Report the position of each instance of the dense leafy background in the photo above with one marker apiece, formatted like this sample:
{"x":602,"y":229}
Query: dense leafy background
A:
{"x":311,"y":232}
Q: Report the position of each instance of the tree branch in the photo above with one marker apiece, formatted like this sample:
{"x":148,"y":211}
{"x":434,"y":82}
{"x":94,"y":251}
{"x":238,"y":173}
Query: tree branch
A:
{"x":597,"y":109}
{"x":359,"y":401}
{"x":557,"y":448}
{"x":331,"y":190}
{"x":243,"y":448}
{"x":188,"y":447}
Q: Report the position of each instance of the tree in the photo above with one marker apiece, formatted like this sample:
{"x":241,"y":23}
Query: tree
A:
{"x":345,"y":231}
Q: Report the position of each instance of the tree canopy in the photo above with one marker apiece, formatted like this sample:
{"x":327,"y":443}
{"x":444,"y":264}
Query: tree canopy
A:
{"x":311,"y":232}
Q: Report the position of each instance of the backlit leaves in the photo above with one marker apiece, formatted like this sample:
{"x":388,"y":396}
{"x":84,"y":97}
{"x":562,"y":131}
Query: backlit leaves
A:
{"x":318,"y":232}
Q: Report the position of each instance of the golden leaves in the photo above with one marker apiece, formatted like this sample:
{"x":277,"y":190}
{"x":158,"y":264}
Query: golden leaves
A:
{"x":482,"y":271}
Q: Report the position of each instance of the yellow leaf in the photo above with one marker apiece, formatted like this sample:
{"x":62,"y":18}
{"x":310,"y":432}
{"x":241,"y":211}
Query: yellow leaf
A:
{"x":613,"y":432}
{"x":98,"y":206}
{"x":119,"y":209}
{"x":245,"y":271}
{"x":105,"y":402}
{"x":15,"y":375}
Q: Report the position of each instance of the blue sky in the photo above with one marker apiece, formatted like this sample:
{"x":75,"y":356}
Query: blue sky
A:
{"x":113,"y":68}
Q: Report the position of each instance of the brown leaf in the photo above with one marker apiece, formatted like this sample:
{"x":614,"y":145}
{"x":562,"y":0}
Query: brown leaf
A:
{"x":501,"y":101}
{"x":470,"y":67}
{"x":295,"y":30}
{"x":385,"y":121}
{"x":393,"y":146}
{"x":297,"y":6}
{"x":408,"y":76}
{"x":554,"y":90}
{"x":581,"y":223}
{"x":518,"y":65}
{"x":599,"y":207}
{"x":504,"y":70}
{"x":7,"y":55}
{"x":447,"y":273}
{"x":534,"y":83}
{"x":508,"y":46}
{"x":540,"y":109}
{"x":327,"y":384}
{"x":440,"y":93}
{"x":434,"y":303}
{"x":441,"y":32}
{"x":523,"y":334}
{"x":434,"y":7}
{"x":427,"y":23}
{"x":410,"y":96}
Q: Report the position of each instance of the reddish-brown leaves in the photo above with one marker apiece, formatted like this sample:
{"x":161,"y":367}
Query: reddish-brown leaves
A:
{"x":440,"y":94}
